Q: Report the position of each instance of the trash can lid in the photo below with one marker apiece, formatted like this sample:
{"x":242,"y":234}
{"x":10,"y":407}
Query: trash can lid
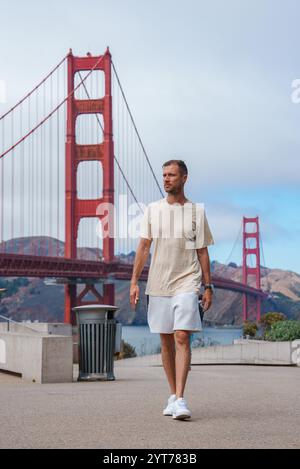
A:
{"x":95,"y":307}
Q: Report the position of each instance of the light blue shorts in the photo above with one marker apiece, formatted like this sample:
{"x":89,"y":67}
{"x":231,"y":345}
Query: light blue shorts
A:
{"x":169,"y":313}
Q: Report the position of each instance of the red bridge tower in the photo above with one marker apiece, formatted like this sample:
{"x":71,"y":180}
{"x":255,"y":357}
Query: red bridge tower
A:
{"x":251,"y":306}
{"x":76,"y":153}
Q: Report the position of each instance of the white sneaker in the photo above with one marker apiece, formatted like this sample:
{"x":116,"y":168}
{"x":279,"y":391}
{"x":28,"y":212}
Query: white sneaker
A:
{"x":169,"y":409}
{"x":180,"y":409}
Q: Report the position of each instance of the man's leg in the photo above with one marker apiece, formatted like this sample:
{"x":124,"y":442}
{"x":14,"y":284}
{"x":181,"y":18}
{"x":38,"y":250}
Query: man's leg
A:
{"x":183,"y":360}
{"x":168,"y":359}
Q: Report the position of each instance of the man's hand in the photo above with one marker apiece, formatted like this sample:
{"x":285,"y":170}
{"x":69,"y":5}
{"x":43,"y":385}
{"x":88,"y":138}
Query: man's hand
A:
{"x":205,"y":267}
{"x":134,"y":295}
{"x":207,"y":299}
{"x":141,"y":257}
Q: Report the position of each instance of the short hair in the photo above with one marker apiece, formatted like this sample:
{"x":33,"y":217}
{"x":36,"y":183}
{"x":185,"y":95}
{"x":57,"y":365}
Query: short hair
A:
{"x":181,"y":164}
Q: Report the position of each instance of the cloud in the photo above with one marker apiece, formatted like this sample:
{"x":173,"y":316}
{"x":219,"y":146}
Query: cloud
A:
{"x":225,"y":220}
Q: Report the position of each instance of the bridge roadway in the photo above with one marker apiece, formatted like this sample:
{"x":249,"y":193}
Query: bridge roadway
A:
{"x":20,"y":265}
{"x":233,"y":406}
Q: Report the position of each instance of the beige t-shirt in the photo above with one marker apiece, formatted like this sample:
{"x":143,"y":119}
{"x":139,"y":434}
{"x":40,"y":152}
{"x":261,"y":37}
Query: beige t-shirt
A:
{"x":177,"y":231}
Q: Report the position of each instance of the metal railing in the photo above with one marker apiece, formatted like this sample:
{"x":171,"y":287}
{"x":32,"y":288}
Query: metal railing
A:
{"x":18,"y":323}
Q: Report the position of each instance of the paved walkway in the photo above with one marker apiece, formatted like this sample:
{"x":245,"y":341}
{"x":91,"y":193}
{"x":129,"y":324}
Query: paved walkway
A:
{"x":233,"y":406}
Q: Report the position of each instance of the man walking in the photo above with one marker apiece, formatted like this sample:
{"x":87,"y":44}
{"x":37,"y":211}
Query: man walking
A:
{"x":180,"y":234}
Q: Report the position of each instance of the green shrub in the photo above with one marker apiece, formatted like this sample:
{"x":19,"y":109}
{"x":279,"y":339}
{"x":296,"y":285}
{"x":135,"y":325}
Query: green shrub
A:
{"x":271,"y":318}
{"x":283,"y":330}
{"x":249,"y":328}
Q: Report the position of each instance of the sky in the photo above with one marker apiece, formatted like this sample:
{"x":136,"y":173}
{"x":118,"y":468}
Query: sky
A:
{"x":209,"y":82}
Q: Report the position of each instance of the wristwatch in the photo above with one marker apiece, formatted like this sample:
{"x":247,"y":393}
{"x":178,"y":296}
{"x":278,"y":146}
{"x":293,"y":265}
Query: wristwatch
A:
{"x":210,"y":286}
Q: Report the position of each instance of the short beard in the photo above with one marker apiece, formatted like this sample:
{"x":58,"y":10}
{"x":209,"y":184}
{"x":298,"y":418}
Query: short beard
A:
{"x":173,"y":191}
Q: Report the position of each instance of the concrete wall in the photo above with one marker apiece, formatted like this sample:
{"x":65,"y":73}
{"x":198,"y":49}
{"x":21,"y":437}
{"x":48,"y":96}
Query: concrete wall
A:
{"x":33,"y":327}
{"x":39,"y":357}
{"x":255,"y":352}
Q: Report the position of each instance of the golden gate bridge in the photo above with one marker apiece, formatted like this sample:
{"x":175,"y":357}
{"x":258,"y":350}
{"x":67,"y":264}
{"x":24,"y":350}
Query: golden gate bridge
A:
{"x":70,"y":150}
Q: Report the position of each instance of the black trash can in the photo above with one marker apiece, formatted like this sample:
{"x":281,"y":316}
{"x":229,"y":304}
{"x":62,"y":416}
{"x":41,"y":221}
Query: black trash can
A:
{"x":97,"y":335}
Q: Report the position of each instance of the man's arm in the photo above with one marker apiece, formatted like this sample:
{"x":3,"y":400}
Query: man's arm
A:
{"x":141,"y":257}
{"x":203,"y":257}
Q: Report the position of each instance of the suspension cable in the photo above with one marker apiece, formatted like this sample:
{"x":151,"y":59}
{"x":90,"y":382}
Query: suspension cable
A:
{"x":34,"y":89}
{"x":262,"y":248}
{"x":234,"y":244}
{"x":54,"y":110}
{"x":120,"y":169}
{"x":137,"y":132}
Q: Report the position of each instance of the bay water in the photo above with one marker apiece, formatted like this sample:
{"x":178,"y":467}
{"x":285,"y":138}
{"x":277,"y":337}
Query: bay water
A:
{"x":147,"y":343}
